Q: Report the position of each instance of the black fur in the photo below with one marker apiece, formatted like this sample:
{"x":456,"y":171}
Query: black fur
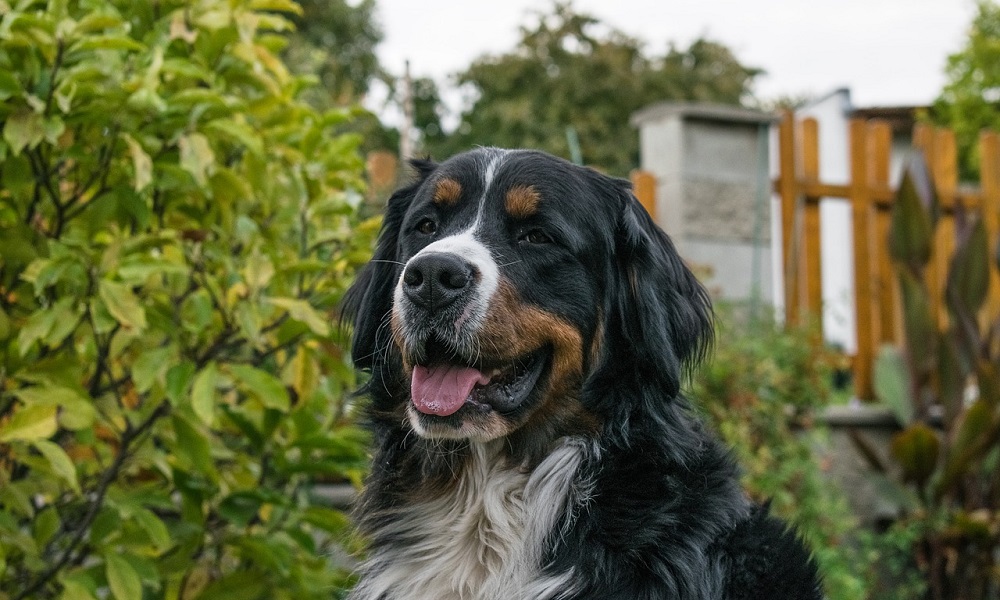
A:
{"x":665,"y":516}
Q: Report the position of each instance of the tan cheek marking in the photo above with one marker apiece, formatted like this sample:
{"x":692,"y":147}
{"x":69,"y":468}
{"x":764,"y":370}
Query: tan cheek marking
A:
{"x":522,"y":201}
{"x":397,"y":336}
{"x":517,"y":329}
{"x":447,"y":192}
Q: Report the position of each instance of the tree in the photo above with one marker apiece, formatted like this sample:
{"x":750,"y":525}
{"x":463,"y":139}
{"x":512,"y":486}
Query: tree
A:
{"x":570,"y":74}
{"x":335,"y":41}
{"x":176,"y":227}
{"x":970,"y":100}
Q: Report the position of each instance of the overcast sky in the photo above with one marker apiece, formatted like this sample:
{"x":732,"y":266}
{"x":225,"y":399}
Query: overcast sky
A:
{"x":888,"y":52}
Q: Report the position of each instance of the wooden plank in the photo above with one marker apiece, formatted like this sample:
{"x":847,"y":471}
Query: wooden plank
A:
{"x":644,"y":188}
{"x":885,"y":293}
{"x":989,"y":176}
{"x":788,"y":194}
{"x":813,"y":262}
{"x":860,"y":212}
{"x":945,"y":170}
{"x":923,"y":140}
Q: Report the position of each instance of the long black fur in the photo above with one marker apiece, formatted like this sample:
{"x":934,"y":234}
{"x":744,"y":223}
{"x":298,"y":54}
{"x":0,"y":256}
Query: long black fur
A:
{"x":666,"y":517}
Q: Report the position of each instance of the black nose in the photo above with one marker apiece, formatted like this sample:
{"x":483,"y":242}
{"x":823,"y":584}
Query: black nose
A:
{"x":435,"y":280}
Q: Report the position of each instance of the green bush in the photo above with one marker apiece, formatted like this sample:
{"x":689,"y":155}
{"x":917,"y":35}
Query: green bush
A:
{"x":761,"y":391}
{"x":175,"y":230}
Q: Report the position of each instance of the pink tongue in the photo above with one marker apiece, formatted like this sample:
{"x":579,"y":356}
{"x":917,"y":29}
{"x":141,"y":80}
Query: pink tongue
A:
{"x":442,"y":390}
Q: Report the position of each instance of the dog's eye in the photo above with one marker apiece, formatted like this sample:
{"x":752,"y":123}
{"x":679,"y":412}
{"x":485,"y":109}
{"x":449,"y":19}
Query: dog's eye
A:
{"x":427,"y":227}
{"x":535,"y":236}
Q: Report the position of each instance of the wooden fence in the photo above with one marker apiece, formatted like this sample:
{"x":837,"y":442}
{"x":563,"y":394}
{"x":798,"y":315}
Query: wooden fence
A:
{"x":871,"y":197}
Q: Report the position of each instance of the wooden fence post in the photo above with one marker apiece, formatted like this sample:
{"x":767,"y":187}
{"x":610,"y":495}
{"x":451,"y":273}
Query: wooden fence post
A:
{"x":812,"y":265}
{"x":945,"y":169}
{"x":787,"y":191}
{"x":860,"y":197}
{"x":644,"y":188}
{"x":885,"y":297}
{"x":989,"y":176}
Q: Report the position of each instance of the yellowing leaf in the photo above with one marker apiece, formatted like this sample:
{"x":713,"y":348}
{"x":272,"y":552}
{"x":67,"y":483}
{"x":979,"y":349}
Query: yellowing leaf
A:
{"x":302,"y":311}
{"x":24,"y":129}
{"x":265,"y":387}
{"x":203,"y":394}
{"x":141,"y":163}
{"x":123,"y":304}
{"x":197,"y":157}
{"x":59,"y":461}
{"x":30,"y":422}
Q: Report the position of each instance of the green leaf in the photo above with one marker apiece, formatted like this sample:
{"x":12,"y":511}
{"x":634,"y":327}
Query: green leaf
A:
{"x":75,"y":590}
{"x":107,"y":42}
{"x":193,"y":445}
{"x":892,"y":383}
{"x":265,"y":387}
{"x":24,"y":129}
{"x":45,"y":525}
{"x":154,"y":527}
{"x":302,"y":311}
{"x":123,"y":304}
{"x":178,"y":379}
{"x":246,"y":585}
{"x":151,"y":366}
{"x":240,"y":508}
{"x":203,"y":393}
{"x":9,"y":85}
{"x":122,"y":578}
{"x":60,"y":463}
{"x":75,"y":410}
{"x":916,"y":450}
{"x":29,"y":423}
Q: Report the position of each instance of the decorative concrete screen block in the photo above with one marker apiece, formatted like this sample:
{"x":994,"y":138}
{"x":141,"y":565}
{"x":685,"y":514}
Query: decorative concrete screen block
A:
{"x":713,"y":192}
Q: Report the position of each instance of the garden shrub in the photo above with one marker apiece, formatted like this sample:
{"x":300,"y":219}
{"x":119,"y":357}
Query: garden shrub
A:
{"x":176,"y":227}
{"x":762,"y":391}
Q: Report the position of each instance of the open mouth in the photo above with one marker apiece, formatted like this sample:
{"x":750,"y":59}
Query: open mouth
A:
{"x":442,"y":383}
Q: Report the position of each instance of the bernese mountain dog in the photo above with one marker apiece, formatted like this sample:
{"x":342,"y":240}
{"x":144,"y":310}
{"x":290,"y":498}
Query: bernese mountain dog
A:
{"x":527,"y":328}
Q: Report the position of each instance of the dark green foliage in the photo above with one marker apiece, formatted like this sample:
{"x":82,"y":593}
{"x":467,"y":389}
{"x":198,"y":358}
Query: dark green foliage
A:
{"x":571,"y":71}
{"x":970,"y":101}
{"x":944,"y":389}
{"x":762,"y":391}
{"x":176,"y":228}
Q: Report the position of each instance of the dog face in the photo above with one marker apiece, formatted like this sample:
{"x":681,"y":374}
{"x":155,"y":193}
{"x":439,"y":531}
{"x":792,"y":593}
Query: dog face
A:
{"x":501,"y":287}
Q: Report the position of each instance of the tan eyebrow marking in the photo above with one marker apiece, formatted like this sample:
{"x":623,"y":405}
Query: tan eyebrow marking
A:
{"x":447,"y":191}
{"x":522,"y":201}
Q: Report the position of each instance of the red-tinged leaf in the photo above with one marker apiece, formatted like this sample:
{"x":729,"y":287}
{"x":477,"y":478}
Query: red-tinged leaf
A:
{"x":969,"y":277}
{"x":911,"y":232}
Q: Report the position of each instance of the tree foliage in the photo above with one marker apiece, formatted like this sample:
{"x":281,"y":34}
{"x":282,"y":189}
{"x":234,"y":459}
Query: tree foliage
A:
{"x":571,"y":71}
{"x":335,"y":41}
{"x":176,"y":226}
{"x":970,"y":100}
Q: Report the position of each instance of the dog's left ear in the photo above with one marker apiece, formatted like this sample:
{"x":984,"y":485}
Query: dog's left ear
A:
{"x":664,"y":313}
{"x":368,"y":302}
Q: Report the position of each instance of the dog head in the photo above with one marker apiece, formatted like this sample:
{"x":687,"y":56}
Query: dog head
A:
{"x":507,"y":286}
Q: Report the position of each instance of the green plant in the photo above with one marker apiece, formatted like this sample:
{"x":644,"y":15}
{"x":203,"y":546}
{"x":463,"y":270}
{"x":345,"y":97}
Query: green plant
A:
{"x":175,"y":230}
{"x":761,"y":391}
{"x":944,"y":387}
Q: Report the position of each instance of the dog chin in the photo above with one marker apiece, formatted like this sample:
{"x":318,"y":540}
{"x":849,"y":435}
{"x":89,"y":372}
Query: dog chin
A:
{"x":476,"y":428}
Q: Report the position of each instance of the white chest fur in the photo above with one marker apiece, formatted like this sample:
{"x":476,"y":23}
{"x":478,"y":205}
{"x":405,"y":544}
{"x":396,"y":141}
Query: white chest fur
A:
{"x":485,"y":540}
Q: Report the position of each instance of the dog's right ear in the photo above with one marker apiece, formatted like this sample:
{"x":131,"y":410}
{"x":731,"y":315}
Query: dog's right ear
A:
{"x":368,"y":302}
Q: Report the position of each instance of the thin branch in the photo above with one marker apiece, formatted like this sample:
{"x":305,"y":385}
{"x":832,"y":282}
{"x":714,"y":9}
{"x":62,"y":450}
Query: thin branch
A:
{"x":130,"y":435}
